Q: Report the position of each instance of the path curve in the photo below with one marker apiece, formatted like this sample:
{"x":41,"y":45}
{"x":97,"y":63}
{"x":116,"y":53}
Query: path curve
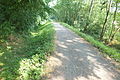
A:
{"x":76,"y":59}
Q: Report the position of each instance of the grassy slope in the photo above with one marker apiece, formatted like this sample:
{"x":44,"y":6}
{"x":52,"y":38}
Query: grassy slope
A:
{"x":24,"y":61}
{"x":113,"y":53}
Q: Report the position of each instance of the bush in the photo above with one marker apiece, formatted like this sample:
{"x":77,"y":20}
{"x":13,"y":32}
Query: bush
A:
{"x":25,"y":60}
{"x":23,"y":15}
{"x":6,"y":29}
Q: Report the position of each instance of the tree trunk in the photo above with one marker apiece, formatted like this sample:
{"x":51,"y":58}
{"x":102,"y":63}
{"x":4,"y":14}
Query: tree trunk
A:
{"x":114,"y":18}
{"x":106,"y":18}
{"x":113,"y":35}
{"x":90,"y":10}
{"x":91,"y":7}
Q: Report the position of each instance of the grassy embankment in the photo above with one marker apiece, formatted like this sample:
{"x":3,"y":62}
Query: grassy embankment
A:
{"x":23,"y":57}
{"x":113,"y":53}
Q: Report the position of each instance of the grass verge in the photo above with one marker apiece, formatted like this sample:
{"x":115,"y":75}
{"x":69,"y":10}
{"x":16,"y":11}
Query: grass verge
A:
{"x":113,"y":53}
{"x":23,"y":59}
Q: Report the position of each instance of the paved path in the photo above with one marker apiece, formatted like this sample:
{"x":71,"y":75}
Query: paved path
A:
{"x":76,"y":59}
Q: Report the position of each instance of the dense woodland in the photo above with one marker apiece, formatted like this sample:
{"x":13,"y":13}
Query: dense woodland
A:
{"x":27,"y":37}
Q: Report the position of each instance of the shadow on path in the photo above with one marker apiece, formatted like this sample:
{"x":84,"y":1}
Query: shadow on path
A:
{"x":76,"y":59}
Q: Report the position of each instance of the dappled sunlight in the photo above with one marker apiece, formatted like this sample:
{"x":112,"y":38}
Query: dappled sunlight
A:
{"x":23,"y":59}
{"x":102,"y":72}
{"x":9,"y":48}
{"x":81,"y":40}
{"x":55,"y":61}
{"x":62,"y":56}
{"x":69,"y":40}
{"x":77,"y":50}
{"x":34,"y":34}
{"x":80,"y":78}
{"x":1,"y":53}
{"x":8,"y":64}
{"x":29,"y":66}
{"x":76,"y":39}
{"x":91,"y":59}
{"x":1,"y":63}
{"x":61,"y":44}
{"x":58,"y":78}
{"x":90,"y":54}
{"x":76,"y":59}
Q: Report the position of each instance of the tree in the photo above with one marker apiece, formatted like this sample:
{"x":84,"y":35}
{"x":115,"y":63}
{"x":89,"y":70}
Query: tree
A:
{"x":93,"y":17}
{"x":89,"y":13}
{"x":106,"y":18}
{"x":114,"y":30}
{"x":22,"y":15}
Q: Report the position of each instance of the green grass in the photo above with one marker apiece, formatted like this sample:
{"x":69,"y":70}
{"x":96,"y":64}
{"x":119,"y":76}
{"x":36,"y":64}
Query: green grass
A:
{"x":24,"y":60}
{"x":113,"y":53}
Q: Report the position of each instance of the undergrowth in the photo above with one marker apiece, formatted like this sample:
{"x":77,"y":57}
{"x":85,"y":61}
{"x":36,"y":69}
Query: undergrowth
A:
{"x":113,"y":53}
{"x":23,"y":59}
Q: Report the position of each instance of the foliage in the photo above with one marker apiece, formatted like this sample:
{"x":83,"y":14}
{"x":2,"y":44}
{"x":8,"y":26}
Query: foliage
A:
{"x":23,"y":59}
{"x":115,"y":54}
{"x":98,"y":18}
{"x":6,"y":29}
{"x":22,"y":15}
